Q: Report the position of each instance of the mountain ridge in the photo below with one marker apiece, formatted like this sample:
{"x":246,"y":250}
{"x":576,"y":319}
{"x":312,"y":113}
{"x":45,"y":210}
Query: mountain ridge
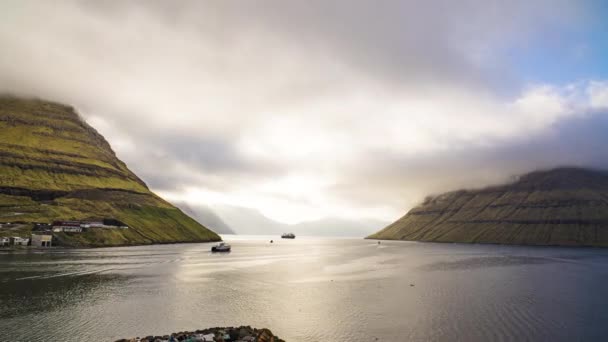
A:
{"x":562,"y":206}
{"x":55,"y":166}
{"x":248,"y":221}
{"x":206,"y":216}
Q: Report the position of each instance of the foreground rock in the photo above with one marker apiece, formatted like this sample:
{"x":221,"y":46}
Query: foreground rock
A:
{"x":229,"y":334}
{"x":565,"y":206}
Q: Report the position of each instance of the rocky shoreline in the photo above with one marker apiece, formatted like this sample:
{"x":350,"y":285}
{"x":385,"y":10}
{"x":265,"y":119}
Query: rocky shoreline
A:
{"x":226,"y":334}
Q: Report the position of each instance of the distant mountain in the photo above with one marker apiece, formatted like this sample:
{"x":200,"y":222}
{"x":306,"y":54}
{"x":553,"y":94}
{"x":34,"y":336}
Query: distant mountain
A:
{"x":337,"y":227}
{"x":247,"y":221}
{"x":564,"y":206}
{"x":54,"y":166}
{"x":205,"y":216}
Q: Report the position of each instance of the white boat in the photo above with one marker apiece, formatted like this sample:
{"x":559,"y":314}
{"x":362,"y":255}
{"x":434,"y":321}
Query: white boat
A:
{"x":288,"y":236}
{"x":221,"y":247}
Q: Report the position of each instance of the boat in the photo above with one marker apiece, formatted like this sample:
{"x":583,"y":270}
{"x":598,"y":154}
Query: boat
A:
{"x":221,"y":247}
{"x":288,"y":236}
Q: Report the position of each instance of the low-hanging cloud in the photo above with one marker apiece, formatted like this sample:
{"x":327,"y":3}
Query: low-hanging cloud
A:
{"x":310,"y":109}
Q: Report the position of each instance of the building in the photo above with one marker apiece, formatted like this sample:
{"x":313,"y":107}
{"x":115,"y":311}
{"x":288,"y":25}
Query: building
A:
{"x":105,"y":224}
{"x":42,"y":240}
{"x":80,"y":226}
{"x":67,"y":226}
{"x":4,"y":241}
{"x":92,"y":224}
{"x":19,"y":241}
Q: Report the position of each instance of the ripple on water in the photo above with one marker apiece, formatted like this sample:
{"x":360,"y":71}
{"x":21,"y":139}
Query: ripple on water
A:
{"x":309,"y":290}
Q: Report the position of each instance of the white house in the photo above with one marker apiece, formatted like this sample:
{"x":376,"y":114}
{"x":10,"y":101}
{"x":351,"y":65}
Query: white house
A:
{"x":19,"y":241}
{"x":67,"y":226}
{"x":42,"y":240}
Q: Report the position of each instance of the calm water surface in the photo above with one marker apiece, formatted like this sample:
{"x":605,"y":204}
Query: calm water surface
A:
{"x":308,"y":290}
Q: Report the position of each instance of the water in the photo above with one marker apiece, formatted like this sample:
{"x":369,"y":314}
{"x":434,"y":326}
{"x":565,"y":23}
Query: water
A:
{"x":308,"y":290}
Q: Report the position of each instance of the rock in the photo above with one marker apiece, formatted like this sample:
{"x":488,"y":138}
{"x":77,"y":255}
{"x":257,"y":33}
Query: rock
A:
{"x":243,"y":333}
{"x":265,"y":335}
{"x":231,"y":334}
{"x":234,"y":334}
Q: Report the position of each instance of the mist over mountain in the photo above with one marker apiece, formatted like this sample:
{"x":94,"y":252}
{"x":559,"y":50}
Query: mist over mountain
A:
{"x":337,"y":227}
{"x":205,"y":216}
{"x":321,"y":108}
{"x":54,"y":166}
{"x":247,"y":221}
{"x":563,"y":206}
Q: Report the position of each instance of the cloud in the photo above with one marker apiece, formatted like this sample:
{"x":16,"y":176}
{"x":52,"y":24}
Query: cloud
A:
{"x":598,"y":94}
{"x":308,"y":109}
{"x":573,"y":135}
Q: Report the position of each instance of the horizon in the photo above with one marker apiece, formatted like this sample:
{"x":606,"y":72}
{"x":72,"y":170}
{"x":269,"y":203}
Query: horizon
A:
{"x":288,"y":170}
{"x":326,"y":110}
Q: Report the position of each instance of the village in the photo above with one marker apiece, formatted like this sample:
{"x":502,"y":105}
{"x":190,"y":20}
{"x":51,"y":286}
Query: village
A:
{"x":42,"y":233}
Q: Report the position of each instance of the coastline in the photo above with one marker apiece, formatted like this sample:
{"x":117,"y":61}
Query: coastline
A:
{"x":26,"y":248}
{"x":227,"y":334}
{"x":493,"y":243}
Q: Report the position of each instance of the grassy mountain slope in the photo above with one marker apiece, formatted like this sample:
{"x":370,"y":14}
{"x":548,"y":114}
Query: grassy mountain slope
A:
{"x":565,"y":206}
{"x":54,"y":166}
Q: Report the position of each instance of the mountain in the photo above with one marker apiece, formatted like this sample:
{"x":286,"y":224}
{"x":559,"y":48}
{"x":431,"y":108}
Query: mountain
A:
{"x":563,"y":206}
{"x":247,"y":221}
{"x":336,"y":227}
{"x":54,"y":166}
{"x":206,"y":217}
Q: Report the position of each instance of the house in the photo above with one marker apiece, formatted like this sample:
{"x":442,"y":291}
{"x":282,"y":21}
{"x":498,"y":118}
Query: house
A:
{"x":19,"y":241}
{"x":92,"y":224}
{"x":67,"y":226}
{"x":80,"y":226}
{"x":4,"y":241}
{"x":104,"y":224}
{"x":42,"y":240}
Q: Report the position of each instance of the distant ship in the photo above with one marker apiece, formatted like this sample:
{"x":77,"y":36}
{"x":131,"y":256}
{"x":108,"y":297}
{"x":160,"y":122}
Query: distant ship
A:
{"x":221,"y":247}
{"x":288,"y":236}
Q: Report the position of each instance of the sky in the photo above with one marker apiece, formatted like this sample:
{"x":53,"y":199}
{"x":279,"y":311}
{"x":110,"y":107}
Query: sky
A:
{"x":309,"y":109}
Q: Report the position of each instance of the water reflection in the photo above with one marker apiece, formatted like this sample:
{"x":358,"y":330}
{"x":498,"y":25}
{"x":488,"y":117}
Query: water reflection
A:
{"x":56,"y":293}
{"x":309,"y":290}
{"x":487,"y":261}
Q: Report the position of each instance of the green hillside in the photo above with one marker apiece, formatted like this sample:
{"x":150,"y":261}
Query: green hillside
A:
{"x":565,"y":206}
{"x":54,"y":166}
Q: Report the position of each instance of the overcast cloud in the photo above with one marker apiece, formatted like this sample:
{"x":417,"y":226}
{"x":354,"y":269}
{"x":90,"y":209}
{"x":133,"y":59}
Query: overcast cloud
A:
{"x":307,"y":109}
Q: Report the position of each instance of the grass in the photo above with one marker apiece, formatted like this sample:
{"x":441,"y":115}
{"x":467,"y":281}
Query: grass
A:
{"x":46,"y":147}
{"x":557,"y":207}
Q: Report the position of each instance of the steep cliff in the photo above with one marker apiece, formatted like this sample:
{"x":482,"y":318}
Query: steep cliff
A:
{"x":564,"y":206}
{"x":54,"y":166}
